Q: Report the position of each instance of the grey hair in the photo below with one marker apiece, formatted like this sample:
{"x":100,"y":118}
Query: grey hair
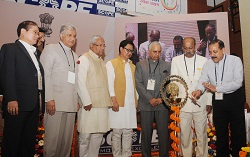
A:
{"x":154,"y":42}
{"x":67,"y":26}
{"x":94,"y":38}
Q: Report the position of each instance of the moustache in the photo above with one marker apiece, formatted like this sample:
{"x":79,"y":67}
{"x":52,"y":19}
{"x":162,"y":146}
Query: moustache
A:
{"x":213,"y":57}
{"x":188,"y":53}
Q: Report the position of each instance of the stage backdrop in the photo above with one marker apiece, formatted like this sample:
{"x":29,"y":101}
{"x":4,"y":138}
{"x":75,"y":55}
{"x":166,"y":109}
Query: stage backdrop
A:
{"x":87,"y":25}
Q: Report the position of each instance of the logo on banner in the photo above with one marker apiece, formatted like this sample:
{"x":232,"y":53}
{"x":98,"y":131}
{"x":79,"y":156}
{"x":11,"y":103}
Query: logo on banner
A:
{"x":169,"y":4}
{"x":46,"y":21}
{"x":53,"y":3}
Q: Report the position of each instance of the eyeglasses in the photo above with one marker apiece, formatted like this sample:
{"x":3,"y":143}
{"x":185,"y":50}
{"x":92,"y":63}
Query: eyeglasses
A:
{"x":100,"y":45}
{"x":132,"y":51}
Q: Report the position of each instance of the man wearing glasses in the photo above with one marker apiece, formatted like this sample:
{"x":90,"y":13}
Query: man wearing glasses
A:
{"x":95,"y":99}
{"x":122,"y":115}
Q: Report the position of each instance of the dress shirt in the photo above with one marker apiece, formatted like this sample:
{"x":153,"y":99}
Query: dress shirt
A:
{"x":228,"y":81}
{"x":31,"y":50}
{"x":171,"y":53}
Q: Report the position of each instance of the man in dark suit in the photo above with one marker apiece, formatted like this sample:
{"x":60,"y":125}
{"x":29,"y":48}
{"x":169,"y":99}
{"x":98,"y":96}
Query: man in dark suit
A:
{"x":23,"y":84}
{"x":149,"y":75}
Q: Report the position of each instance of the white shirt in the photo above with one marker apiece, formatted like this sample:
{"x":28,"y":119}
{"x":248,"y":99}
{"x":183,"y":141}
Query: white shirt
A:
{"x":31,"y":50}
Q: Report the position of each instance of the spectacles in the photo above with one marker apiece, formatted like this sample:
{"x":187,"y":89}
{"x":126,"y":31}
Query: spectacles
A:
{"x":100,"y":45}
{"x":132,"y":51}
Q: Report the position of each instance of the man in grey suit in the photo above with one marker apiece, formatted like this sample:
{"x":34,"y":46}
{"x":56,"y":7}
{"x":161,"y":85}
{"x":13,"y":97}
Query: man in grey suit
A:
{"x":60,"y":68}
{"x":149,"y":75}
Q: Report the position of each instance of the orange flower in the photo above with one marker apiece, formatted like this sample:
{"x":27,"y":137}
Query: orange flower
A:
{"x":242,"y":154}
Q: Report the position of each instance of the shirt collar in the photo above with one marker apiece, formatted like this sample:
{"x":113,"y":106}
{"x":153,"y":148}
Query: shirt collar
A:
{"x":65,"y":47}
{"x":28,"y":46}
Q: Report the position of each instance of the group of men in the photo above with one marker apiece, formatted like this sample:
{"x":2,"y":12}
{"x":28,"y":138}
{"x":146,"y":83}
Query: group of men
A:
{"x":105,"y":96}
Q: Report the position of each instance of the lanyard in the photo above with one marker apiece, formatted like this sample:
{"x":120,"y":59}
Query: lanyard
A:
{"x":154,"y":69}
{"x":222,"y":70}
{"x":67,"y":56}
{"x":186,"y":65}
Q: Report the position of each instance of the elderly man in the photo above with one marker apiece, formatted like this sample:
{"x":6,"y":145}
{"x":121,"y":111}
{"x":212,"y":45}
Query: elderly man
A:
{"x":60,"y":67}
{"x":22,"y":79}
{"x":123,"y":94}
{"x":149,"y":75}
{"x":93,"y":116}
{"x":143,"y":48}
{"x":223,"y":76}
{"x":189,"y":66}
{"x":210,"y":32}
{"x":175,"y":49}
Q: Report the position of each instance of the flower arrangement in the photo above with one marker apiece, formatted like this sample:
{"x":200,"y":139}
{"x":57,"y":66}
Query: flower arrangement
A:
{"x":211,"y":134}
{"x":245,"y":152}
{"x":39,"y":138}
{"x":175,"y":129}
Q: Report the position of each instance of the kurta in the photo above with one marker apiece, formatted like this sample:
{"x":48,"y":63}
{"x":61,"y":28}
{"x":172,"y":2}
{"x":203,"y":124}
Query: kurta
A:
{"x":95,"y":120}
{"x":126,"y":117}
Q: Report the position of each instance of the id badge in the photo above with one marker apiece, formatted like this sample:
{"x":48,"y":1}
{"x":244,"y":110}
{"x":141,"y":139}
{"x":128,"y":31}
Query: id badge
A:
{"x":151,"y":84}
{"x":71,"y":77}
{"x":218,"y":96}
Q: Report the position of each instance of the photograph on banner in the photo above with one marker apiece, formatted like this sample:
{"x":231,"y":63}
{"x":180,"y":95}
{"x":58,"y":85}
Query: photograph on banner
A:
{"x":170,"y":36}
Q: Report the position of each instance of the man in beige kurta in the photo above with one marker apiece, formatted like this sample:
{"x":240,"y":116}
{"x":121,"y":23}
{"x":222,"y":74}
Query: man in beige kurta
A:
{"x":93,"y":92}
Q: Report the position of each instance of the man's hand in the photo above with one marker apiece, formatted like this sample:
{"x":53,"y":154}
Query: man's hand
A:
{"x":50,"y":107}
{"x":115,"y":106}
{"x":13,"y":108}
{"x":196,"y":94}
{"x":209,"y":87}
{"x":202,"y":45}
{"x":88,"y":107}
{"x":159,"y":100}
{"x":154,"y":102}
{"x":78,"y":106}
{"x":209,"y":109}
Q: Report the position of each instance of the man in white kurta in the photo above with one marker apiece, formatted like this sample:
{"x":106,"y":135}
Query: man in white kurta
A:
{"x":189,"y":67}
{"x":122,"y":115}
{"x":94,"y":95}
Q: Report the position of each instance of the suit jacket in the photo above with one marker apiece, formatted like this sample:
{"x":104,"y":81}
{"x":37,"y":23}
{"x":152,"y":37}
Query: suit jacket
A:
{"x":19,"y":77}
{"x":141,"y":79}
{"x":178,"y":67}
{"x":56,"y":70}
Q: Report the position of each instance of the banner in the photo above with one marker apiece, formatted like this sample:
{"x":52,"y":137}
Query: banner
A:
{"x":110,"y":8}
{"x":136,"y":145}
{"x":156,"y":7}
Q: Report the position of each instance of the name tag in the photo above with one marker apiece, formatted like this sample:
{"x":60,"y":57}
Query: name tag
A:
{"x":71,"y":77}
{"x":218,"y":96}
{"x":151,"y":84}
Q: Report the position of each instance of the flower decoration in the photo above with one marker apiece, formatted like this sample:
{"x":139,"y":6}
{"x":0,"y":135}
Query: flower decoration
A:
{"x":245,"y":152}
{"x":211,"y":134}
{"x":175,"y":129}
{"x":39,"y":138}
{"x":78,"y":62}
